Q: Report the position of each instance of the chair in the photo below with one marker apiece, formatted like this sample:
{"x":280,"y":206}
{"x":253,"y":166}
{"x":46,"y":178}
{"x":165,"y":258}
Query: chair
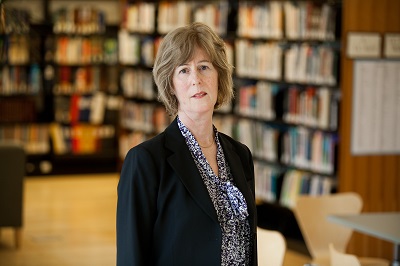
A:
{"x":12,"y":172}
{"x":311,"y":213}
{"x":341,"y":259}
{"x":271,"y":247}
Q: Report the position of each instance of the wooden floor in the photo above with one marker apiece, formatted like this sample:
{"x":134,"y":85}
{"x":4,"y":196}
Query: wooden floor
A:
{"x":70,"y":221}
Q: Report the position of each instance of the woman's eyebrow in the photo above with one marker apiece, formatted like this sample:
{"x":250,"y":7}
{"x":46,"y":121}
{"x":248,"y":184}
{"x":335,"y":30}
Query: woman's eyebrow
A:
{"x":201,"y":61}
{"x":183,"y":64}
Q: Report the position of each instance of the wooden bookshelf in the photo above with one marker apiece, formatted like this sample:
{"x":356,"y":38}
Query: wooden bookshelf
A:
{"x":84,"y":84}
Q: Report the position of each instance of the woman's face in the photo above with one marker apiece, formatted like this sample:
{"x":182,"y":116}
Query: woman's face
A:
{"x":196,"y":85}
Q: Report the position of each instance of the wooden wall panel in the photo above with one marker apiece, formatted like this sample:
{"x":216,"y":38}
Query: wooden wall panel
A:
{"x":375,"y":178}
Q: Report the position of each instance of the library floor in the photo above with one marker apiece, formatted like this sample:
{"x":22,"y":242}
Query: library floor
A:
{"x":70,"y":221}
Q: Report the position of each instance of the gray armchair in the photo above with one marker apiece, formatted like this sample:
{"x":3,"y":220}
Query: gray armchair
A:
{"x":12,"y":173}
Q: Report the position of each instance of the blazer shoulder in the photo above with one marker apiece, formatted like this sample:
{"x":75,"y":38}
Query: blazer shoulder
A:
{"x":153,"y":145}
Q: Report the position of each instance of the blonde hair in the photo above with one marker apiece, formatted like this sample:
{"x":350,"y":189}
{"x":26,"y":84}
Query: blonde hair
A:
{"x":176,"y":48}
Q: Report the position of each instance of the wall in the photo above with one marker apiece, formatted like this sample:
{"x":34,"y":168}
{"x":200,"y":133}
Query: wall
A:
{"x":375,"y":178}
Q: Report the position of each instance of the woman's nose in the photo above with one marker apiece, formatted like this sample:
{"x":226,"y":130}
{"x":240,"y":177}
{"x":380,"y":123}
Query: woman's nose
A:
{"x":195,"y":77}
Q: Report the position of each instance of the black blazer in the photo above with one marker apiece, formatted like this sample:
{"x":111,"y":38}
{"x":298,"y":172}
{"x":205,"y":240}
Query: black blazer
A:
{"x":164,"y":213}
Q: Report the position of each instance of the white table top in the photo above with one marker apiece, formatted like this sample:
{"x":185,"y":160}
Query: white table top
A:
{"x":383,"y":225}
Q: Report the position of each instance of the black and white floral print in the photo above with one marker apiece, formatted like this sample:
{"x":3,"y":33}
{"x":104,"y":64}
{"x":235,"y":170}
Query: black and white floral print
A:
{"x":229,"y":203}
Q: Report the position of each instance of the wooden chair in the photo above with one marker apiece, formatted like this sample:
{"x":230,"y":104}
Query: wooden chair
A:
{"x":271,"y":247}
{"x":12,"y":173}
{"x":311,"y":213}
{"x":341,"y":259}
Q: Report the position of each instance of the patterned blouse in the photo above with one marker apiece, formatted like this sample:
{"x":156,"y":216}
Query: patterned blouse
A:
{"x":228,"y":201}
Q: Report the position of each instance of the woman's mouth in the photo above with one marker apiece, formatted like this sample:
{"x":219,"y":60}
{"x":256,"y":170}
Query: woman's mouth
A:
{"x":199,"y":95}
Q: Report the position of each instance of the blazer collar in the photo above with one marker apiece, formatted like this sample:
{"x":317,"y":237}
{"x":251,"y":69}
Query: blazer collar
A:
{"x":181,"y":161}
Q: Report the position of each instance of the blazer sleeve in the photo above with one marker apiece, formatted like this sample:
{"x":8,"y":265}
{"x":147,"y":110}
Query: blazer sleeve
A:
{"x":136,"y":208}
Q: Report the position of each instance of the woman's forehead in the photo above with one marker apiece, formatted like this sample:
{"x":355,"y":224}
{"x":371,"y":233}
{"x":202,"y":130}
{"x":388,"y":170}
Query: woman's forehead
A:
{"x":195,"y":52}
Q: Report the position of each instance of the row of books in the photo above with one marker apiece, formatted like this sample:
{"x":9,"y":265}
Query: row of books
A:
{"x":309,"y":20}
{"x":18,"y":109}
{"x":293,"y":20}
{"x":260,"y":19}
{"x":78,"y":139}
{"x":214,"y":15}
{"x":311,"y":106}
{"x":136,"y":49}
{"x":306,"y":63}
{"x":293,"y":146}
{"x":140,"y":121}
{"x":257,"y":99}
{"x":309,"y":149}
{"x":261,"y":60}
{"x":85,"y":79}
{"x":83,"y":19}
{"x":267,"y":181}
{"x":259,"y":137}
{"x":14,"y":20}
{"x":224,"y":122}
{"x":15,"y":49}
{"x":297,"y":183}
{"x":97,"y":109}
{"x":146,"y":117}
{"x":303,"y":63}
{"x":172,"y":14}
{"x":137,"y":83}
{"x":20,"y":80}
{"x":82,"y":139}
{"x":33,"y":137}
{"x":273,"y":19}
{"x":139,"y":17}
{"x":85,"y":50}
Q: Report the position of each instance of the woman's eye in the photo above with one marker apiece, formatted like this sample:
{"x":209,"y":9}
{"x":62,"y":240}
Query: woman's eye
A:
{"x":204,"y":67}
{"x":183,"y":71}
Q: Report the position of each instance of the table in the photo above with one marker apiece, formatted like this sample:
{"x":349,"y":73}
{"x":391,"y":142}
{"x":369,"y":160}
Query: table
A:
{"x":383,"y":225}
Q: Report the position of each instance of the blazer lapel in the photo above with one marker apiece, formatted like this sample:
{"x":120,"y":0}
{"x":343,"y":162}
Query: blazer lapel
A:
{"x":182,"y":162}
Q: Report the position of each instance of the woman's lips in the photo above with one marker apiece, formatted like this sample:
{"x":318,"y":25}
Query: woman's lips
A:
{"x":199,"y":95}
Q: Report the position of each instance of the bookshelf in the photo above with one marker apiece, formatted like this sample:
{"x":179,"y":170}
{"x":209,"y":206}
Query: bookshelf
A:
{"x":61,"y":93}
{"x":286,"y":81}
{"x":83,"y":65}
{"x":142,"y":116}
{"x":287,"y":96}
{"x":286,"y":56}
{"x":287,"y":102}
{"x":23,"y":98}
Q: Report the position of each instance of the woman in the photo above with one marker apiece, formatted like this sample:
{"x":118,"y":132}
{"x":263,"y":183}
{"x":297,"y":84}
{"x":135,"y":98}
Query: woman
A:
{"x":186,"y":197}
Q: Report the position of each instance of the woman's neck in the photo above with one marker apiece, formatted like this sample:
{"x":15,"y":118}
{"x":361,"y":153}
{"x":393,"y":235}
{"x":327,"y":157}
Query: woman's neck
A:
{"x":200,"y":127}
